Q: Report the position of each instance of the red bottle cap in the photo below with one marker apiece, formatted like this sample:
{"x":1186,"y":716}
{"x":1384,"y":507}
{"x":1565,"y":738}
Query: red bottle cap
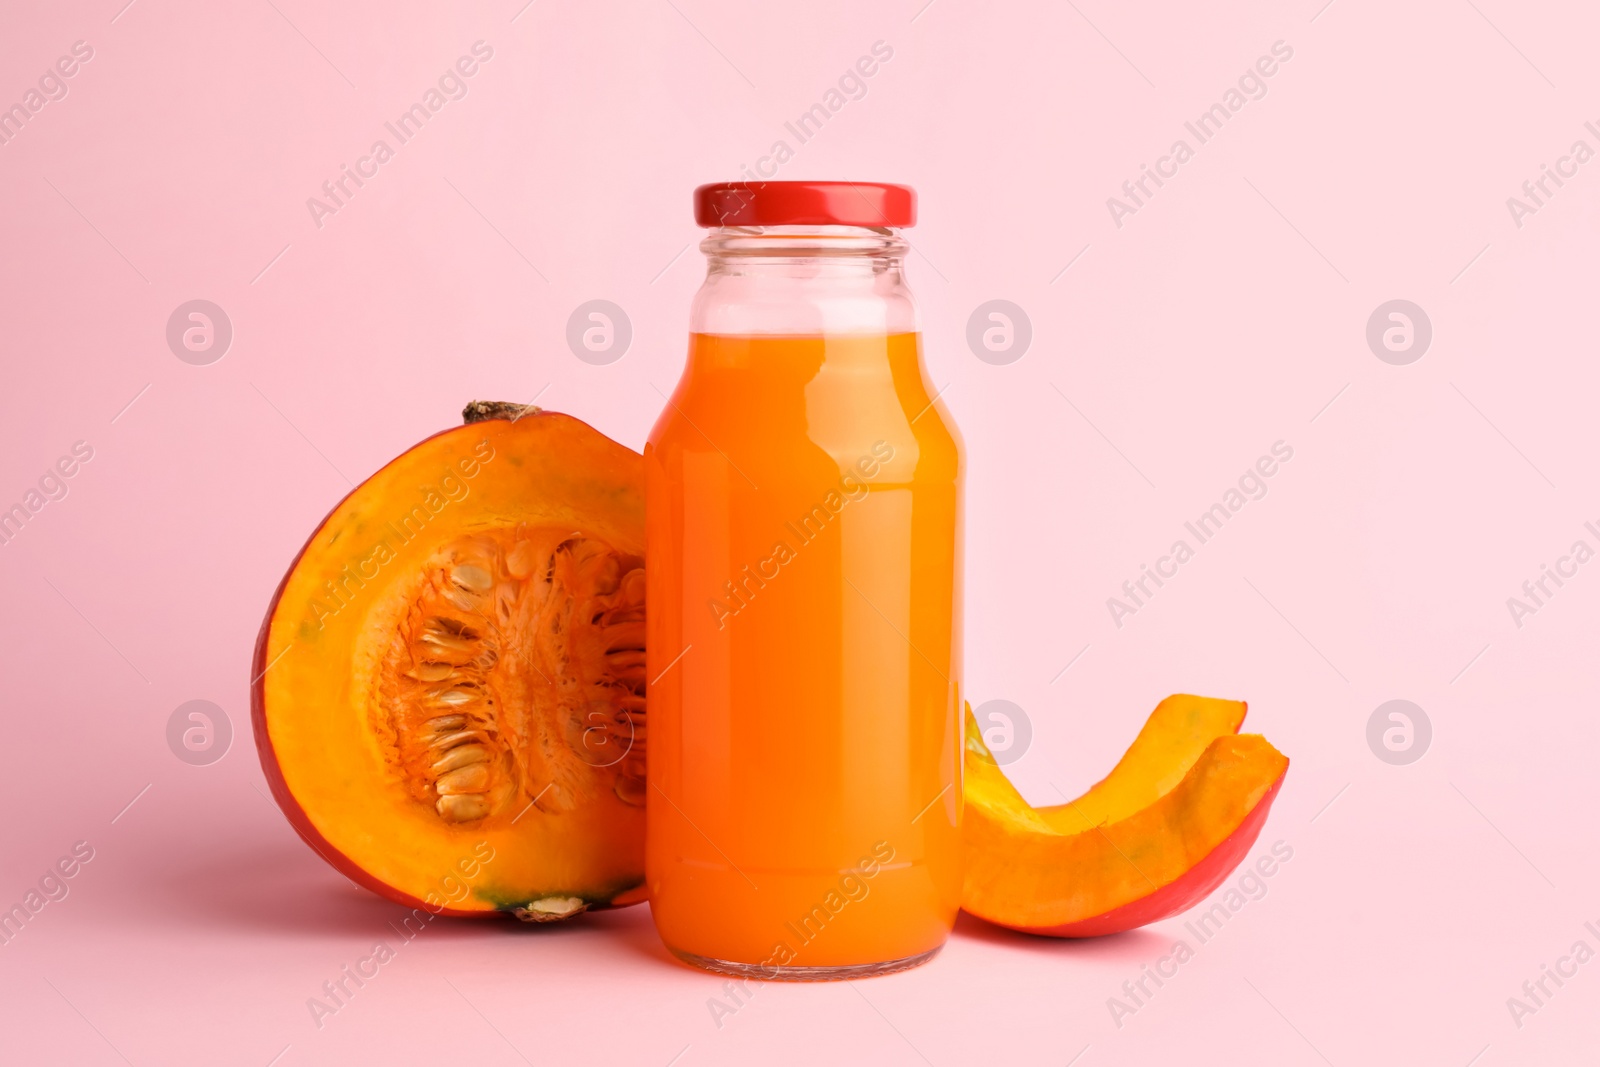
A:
{"x":874,"y":204}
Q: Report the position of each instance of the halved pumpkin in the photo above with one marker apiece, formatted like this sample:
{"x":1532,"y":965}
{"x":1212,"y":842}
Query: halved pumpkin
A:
{"x":449,"y":685}
{"x":1157,"y":835}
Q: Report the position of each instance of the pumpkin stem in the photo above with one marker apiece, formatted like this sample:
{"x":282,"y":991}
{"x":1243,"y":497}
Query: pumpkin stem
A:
{"x":484,"y":410}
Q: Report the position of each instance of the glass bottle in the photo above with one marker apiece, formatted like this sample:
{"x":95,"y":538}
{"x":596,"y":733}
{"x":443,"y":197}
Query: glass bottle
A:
{"x":804,"y":501}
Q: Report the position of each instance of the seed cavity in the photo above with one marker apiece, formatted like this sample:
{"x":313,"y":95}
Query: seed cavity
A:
{"x":516,"y":676}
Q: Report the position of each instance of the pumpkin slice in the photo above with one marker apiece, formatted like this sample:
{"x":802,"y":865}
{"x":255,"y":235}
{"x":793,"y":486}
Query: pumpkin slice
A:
{"x":1159,"y":834}
{"x":449,"y":684}
{"x":1172,"y":739}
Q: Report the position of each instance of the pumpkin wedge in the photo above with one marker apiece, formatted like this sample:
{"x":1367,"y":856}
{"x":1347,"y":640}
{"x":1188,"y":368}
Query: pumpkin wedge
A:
{"x":1157,"y":835}
{"x":448,"y":693}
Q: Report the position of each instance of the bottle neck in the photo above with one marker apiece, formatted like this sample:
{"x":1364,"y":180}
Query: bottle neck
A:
{"x":804,"y":280}
{"x":857,"y":244}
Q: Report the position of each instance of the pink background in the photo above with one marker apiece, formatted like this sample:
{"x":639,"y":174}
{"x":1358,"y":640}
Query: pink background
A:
{"x":1227,"y":314}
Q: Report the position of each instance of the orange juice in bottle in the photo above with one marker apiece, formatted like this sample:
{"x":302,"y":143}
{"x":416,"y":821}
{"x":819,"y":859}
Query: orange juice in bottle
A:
{"x":804,"y":545}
